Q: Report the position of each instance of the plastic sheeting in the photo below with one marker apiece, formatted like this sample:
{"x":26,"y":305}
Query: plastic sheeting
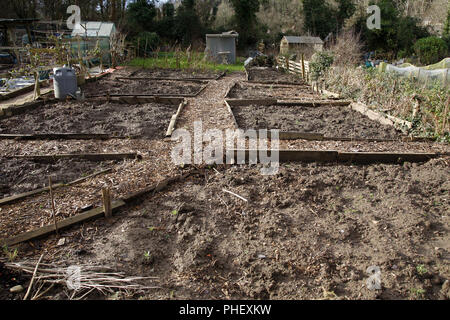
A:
{"x":439,"y":72}
{"x":16,"y":83}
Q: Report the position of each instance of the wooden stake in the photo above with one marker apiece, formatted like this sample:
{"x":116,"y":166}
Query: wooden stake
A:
{"x":53,"y":203}
{"x":37,"y":90}
{"x":107,"y":202}
{"x":303,"y":66}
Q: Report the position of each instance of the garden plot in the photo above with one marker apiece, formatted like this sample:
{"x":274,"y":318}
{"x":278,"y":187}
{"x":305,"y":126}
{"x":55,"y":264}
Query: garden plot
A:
{"x":309,"y":232}
{"x":249,"y":91}
{"x":330,"y":121}
{"x":149,"y":120}
{"x":110,"y":86}
{"x":177,"y":74}
{"x":21,"y":175}
{"x":272,"y":75}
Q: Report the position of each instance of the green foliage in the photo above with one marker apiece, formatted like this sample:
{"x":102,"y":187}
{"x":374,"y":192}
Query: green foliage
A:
{"x":263,"y":61}
{"x":430,"y":50}
{"x":187,"y":23}
{"x":346,"y":9}
{"x":318,"y":16}
{"x":166,"y":26}
{"x":446,"y":33}
{"x":398,"y":32}
{"x":192,"y":61}
{"x":246,"y":21}
{"x":148,"y":41}
{"x":320,"y":63}
{"x":10,"y":254}
{"x":421,"y":270}
{"x":140,"y":15}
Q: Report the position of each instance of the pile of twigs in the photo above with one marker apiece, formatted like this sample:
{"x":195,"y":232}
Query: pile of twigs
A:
{"x":80,"y":280}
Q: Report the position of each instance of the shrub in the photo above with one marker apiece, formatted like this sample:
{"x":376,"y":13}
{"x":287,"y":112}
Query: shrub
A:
{"x":148,"y":41}
{"x":347,"y":49}
{"x":430,"y":50}
{"x":320,"y":63}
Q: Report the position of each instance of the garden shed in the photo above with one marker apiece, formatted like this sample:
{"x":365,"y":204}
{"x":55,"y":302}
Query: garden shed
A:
{"x":301,"y":45}
{"x":222,"y":47}
{"x":91,"y":32}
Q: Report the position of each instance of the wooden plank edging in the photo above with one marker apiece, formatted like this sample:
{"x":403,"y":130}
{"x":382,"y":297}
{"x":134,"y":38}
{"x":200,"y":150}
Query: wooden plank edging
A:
{"x":24,"y":195}
{"x":330,"y":156}
{"x":91,"y":214}
{"x":86,"y":156}
{"x":174,"y":119}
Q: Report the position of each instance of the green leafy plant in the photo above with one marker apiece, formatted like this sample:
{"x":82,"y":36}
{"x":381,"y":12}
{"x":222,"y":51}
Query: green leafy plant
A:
{"x":417,"y":293}
{"x":421,"y":270}
{"x":320,"y":63}
{"x":430,"y":50}
{"x":10,"y":254}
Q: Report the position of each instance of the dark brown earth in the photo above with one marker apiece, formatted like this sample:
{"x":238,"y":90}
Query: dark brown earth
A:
{"x":173,"y":73}
{"x":309,"y":232}
{"x":149,"y":87}
{"x":149,"y":120}
{"x":9,"y":279}
{"x":248,"y":91}
{"x":19,"y":175}
{"x":272,"y":75}
{"x":332,"y":121}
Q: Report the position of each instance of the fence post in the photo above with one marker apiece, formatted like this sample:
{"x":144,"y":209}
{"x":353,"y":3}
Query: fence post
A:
{"x":303,"y":66}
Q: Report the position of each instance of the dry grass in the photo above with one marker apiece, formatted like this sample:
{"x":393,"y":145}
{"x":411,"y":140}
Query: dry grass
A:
{"x":396,"y":96}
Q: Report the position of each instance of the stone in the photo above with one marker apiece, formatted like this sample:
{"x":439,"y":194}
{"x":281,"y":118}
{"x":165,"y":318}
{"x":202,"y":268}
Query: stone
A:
{"x":61,"y":242}
{"x":16,"y":289}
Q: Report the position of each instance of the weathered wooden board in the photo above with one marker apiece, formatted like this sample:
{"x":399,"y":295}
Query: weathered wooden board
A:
{"x":91,"y":214}
{"x":343,"y":157}
{"x":47,"y":230}
{"x":59,"y":136}
{"x":199,"y":80}
{"x":140,"y":100}
{"x":247,"y":102}
{"x":174,"y":119}
{"x":24,"y":195}
{"x":314,"y":103}
{"x":230,"y":111}
{"x":87,"y":156}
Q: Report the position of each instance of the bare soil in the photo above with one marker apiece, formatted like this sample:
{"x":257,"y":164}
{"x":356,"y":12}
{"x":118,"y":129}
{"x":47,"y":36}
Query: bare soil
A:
{"x":309,"y":232}
{"x":332,"y":121}
{"x":248,"y":91}
{"x":149,"y":120}
{"x":174,"y":73}
{"x":261,"y":74}
{"x":18,"y":175}
{"x":110,"y":85}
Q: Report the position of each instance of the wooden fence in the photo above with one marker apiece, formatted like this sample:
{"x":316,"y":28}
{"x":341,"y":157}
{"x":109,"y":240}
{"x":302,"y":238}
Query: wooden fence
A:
{"x":300,"y":68}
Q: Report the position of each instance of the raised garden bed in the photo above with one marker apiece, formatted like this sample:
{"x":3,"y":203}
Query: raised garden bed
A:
{"x":110,"y":86}
{"x":252,"y":91}
{"x":149,"y":120}
{"x":22,"y":175}
{"x":335,"y":121}
{"x":273,"y":75}
{"x":179,"y":74}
